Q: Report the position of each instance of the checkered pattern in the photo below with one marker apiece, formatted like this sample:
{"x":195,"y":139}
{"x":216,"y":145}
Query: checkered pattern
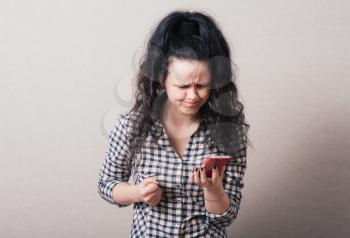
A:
{"x":181,"y":211}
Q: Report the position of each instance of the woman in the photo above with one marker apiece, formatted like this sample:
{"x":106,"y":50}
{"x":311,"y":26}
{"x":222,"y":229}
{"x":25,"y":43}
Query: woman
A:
{"x":186,"y":109}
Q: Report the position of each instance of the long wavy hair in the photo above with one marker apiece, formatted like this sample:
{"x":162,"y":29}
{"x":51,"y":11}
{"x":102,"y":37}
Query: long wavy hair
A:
{"x":190,"y":36}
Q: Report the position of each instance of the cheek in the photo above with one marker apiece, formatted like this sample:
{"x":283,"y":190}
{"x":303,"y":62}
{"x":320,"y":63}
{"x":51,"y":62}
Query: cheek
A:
{"x":204,"y":94}
{"x":175,"y":95}
{"x":179,"y":94}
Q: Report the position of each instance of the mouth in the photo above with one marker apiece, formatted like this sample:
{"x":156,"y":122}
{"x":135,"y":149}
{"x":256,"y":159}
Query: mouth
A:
{"x":192,"y":104}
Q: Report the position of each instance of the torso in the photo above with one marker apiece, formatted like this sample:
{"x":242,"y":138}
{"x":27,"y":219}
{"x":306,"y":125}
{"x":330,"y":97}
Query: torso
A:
{"x":179,"y":145}
{"x":179,"y":137}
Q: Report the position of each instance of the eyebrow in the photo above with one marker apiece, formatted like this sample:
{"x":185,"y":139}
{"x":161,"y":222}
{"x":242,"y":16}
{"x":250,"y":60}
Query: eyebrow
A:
{"x":200,"y":83}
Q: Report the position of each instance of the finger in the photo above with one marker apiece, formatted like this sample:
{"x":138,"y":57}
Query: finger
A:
{"x":159,"y":197}
{"x":152,"y":202}
{"x":155,"y":202}
{"x":147,"y":199}
{"x":151,"y":188}
{"x":152,"y":198}
{"x":204,"y":179}
{"x":196,"y":177}
{"x":155,"y":199}
{"x":222,"y":171}
{"x":215,"y":173}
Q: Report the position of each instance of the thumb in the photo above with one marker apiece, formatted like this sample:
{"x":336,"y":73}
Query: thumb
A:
{"x":152,"y":179}
{"x":222,"y":171}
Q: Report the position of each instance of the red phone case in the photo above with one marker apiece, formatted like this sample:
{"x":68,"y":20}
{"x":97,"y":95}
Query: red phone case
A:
{"x":219,"y":161}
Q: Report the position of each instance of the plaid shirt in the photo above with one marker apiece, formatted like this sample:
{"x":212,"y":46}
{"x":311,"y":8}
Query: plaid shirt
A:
{"x":181,"y":211}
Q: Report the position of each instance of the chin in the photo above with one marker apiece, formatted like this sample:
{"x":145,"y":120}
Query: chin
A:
{"x":189,"y":111}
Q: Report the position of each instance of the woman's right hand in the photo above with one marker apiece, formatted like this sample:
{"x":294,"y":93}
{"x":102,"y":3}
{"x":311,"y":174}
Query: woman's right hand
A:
{"x":149,"y":191}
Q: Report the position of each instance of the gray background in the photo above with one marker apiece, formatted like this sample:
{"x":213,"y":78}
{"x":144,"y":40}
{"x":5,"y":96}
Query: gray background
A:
{"x":65,"y":75}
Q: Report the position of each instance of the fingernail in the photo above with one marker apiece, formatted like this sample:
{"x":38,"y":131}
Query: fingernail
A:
{"x":202,"y":169}
{"x":196,"y":169}
{"x":214,"y":167}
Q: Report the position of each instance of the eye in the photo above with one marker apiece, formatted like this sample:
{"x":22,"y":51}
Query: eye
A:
{"x":197,"y":86}
{"x":202,"y":85}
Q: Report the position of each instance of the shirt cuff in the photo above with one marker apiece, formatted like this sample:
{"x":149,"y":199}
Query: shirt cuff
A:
{"x":106,"y":191}
{"x":225,"y":218}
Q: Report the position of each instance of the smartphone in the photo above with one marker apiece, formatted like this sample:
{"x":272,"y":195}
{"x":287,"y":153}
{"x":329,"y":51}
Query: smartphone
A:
{"x":219,"y":161}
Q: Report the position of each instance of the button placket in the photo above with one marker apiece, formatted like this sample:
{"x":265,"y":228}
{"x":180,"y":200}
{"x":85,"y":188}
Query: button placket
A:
{"x":178,"y":185}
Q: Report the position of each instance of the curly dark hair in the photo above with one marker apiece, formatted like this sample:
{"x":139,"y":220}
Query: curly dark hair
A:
{"x":189,"y":35}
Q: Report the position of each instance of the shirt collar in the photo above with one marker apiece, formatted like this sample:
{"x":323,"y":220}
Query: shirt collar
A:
{"x":159,"y":127}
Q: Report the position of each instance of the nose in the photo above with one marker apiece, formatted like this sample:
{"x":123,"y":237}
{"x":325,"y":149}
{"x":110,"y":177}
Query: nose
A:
{"x":192,"y":93}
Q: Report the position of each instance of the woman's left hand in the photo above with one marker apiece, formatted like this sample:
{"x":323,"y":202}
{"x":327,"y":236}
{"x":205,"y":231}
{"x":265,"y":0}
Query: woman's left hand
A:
{"x":212,"y":184}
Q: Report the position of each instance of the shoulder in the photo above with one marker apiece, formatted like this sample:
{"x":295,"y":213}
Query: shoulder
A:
{"x":127,"y":121}
{"x":124,"y":127}
{"x":130,"y":118}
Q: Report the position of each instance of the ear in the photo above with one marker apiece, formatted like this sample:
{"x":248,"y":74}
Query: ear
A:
{"x":162,"y":84}
{"x":161,"y":89}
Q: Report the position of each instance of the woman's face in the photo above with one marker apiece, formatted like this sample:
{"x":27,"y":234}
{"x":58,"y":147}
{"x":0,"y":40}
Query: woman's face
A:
{"x":187,"y":85}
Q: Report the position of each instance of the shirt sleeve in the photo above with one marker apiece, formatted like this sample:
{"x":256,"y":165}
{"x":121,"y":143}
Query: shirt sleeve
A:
{"x":117,"y":164}
{"x":233,"y":184}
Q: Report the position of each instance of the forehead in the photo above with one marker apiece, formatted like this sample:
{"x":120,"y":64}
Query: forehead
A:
{"x":186,"y":71}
